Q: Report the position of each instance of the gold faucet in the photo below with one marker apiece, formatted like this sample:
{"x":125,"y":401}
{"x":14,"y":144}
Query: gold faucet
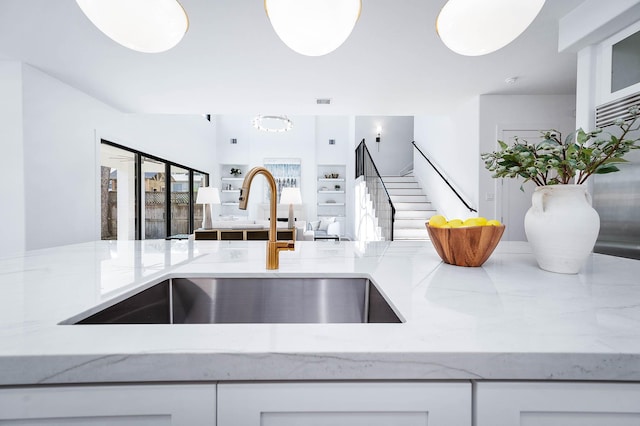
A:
{"x":273,"y":247}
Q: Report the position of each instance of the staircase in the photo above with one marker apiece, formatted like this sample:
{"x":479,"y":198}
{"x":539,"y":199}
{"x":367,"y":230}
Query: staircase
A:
{"x":412,"y":208}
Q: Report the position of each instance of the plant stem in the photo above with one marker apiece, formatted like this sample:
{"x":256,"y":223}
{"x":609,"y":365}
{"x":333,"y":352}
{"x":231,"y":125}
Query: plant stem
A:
{"x":582,"y":176}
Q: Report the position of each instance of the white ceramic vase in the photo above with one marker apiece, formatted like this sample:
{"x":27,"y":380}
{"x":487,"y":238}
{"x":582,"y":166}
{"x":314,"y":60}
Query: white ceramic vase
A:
{"x":561,"y":227}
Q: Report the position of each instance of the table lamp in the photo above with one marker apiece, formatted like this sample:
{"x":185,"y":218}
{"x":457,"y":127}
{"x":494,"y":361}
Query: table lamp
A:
{"x":207,"y":196}
{"x":290,"y":196}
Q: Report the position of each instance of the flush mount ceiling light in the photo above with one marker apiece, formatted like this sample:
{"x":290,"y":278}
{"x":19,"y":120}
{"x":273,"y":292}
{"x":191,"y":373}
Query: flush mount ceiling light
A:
{"x":313,"y":27}
{"x":272,"y":123}
{"x":474,"y":28}
{"x":149,"y":26}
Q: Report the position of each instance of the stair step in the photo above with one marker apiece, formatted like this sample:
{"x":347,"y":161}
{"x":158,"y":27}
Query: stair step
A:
{"x":391,"y":185}
{"x":408,"y":198}
{"x":412,"y":206}
{"x":386,"y":179}
{"x":414,"y":214}
{"x":418,"y":223}
{"x":413,"y":209}
{"x":410,"y":234}
{"x":405,"y":191}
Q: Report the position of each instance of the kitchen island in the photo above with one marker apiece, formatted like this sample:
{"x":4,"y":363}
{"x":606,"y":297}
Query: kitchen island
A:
{"x":507,"y":320}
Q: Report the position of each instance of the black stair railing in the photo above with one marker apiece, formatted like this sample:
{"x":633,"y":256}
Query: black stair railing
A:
{"x":443,"y":178}
{"x":385,"y":211}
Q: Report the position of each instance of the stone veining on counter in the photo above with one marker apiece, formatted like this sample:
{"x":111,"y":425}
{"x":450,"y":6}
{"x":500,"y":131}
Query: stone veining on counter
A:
{"x":505,"y":320}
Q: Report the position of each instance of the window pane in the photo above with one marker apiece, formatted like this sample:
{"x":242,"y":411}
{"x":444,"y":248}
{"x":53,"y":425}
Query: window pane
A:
{"x":625,"y":66}
{"x":154,"y":200}
{"x":179,"y":200}
{"x":117,"y":193}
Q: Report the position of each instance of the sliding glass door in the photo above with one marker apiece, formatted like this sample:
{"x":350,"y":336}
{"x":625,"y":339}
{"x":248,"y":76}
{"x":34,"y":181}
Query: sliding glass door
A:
{"x":154,"y":198}
{"x":117,"y":193}
{"x":179,"y":200}
{"x":145,"y":197}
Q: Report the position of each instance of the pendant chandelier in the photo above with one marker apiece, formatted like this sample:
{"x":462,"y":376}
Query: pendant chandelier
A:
{"x":273,"y":123}
{"x":149,"y":26}
{"x":313,"y":27}
{"x":474,"y":27}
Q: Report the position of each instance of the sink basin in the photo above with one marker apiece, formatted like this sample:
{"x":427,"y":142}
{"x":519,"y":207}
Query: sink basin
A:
{"x":251,"y":300}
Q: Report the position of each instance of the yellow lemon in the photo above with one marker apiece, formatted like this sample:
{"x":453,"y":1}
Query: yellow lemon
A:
{"x":437,"y":221}
{"x":493,"y":223}
{"x":455,"y":223}
{"x":482,"y":220}
{"x":474,"y":221}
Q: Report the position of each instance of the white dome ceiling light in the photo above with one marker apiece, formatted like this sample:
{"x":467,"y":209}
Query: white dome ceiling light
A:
{"x":149,"y":26}
{"x":474,"y":27}
{"x":273,"y":123}
{"x":313,"y":27}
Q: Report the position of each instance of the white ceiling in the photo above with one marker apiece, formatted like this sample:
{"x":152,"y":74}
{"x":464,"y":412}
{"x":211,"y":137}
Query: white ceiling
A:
{"x":231,"y":61}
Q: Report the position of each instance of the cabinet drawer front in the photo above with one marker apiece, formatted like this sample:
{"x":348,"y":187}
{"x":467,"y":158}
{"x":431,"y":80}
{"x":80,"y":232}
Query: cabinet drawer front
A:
{"x":560,"y":403}
{"x":344,"y":404}
{"x":134,"y":405}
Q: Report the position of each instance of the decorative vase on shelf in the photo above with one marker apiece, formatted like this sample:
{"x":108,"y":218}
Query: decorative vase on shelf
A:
{"x":561,"y":227}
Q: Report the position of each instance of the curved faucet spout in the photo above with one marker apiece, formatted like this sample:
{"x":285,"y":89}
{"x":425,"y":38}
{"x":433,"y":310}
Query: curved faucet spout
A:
{"x":273,"y":247}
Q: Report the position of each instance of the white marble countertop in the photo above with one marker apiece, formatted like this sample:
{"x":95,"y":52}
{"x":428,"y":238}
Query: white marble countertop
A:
{"x":505,"y":320}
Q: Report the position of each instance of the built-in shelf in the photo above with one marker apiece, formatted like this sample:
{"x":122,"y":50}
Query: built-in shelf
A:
{"x":230,"y":188}
{"x":332,"y":189}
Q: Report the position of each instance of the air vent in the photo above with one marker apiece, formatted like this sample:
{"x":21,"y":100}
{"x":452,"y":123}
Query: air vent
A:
{"x":607,"y":113}
{"x":323,"y":101}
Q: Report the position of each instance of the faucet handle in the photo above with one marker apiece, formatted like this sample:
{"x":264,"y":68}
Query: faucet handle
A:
{"x":243,"y":198}
{"x":286,"y":245}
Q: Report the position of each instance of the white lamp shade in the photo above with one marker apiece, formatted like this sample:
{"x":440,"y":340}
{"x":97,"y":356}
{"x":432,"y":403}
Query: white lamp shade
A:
{"x":149,"y":26}
{"x":474,"y":28}
{"x":313,"y":27}
{"x":208,"y":195}
{"x":291,"y":196}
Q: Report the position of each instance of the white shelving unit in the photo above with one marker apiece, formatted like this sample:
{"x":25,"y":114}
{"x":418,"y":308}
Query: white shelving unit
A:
{"x":230,"y":189}
{"x":331,"y":192}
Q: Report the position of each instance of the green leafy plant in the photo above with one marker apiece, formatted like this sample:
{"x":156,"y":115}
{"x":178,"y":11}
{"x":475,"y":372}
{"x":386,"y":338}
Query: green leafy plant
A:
{"x":552,"y":162}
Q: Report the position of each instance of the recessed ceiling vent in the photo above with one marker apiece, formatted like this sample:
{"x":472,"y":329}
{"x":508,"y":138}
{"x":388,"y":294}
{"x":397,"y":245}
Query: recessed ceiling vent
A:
{"x":323,"y":101}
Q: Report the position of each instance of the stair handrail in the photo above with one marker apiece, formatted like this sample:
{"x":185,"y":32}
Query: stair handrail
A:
{"x":443,"y":178}
{"x":361,"y":150}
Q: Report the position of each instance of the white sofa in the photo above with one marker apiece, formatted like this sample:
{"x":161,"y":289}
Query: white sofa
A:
{"x":322,"y":229}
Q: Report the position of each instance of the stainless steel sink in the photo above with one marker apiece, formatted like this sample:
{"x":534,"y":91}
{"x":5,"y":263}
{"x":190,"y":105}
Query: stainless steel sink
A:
{"x":251,"y":300}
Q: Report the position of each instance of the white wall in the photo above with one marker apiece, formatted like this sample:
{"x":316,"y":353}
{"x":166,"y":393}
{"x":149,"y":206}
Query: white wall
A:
{"x":12,"y":206}
{"x":451,"y":143}
{"x":62,"y":131}
{"x":527,"y":112}
{"x":393,"y":154}
{"x":454,"y":143}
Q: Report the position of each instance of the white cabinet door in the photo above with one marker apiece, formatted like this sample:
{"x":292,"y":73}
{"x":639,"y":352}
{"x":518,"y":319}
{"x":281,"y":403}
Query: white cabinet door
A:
{"x":143,"y":405}
{"x":558,"y":404}
{"x":344,"y":404}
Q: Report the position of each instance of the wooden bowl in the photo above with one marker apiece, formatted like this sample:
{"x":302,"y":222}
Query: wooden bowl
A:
{"x":469,"y":246}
